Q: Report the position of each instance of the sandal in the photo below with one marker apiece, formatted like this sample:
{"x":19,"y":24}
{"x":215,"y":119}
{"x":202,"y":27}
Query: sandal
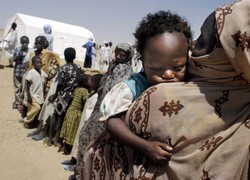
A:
{"x":72,"y":161}
{"x":26,"y":125}
{"x":38,"y":137}
{"x":46,"y":143}
{"x":32,"y":133}
{"x":69,"y":167}
{"x":66,"y":162}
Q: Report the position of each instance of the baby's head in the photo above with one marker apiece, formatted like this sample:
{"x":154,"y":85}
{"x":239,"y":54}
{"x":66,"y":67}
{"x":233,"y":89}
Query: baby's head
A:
{"x":163,"y":40}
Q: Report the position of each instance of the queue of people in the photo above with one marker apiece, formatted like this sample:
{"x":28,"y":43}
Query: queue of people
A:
{"x":184,"y":115}
{"x":55,"y":100}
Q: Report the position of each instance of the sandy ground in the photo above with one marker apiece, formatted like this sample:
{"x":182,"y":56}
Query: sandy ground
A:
{"x":22,"y":158}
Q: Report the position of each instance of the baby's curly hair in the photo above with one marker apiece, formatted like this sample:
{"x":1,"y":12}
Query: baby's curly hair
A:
{"x":159,"y":23}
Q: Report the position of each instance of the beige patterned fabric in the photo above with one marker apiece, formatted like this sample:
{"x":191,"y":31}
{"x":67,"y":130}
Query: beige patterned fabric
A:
{"x":206,"y":121}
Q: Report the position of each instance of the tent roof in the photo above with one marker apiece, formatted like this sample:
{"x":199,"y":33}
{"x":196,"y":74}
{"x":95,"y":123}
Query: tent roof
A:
{"x":56,"y":26}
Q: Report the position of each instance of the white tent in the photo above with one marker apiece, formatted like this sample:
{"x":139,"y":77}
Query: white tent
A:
{"x":65,"y":35}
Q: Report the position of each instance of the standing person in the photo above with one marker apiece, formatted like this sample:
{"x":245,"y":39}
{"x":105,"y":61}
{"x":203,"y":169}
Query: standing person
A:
{"x":11,"y":40}
{"x":218,"y":141}
{"x":110,"y":44}
{"x":87,"y":110}
{"x":67,"y":80}
{"x":74,"y":112}
{"x":162,"y":64}
{"x":19,"y":69}
{"x":35,"y":90}
{"x":93,"y":56}
{"x":105,"y":57}
{"x":88,"y":55}
{"x":47,"y":28}
{"x":45,"y":115}
{"x":96,"y":64}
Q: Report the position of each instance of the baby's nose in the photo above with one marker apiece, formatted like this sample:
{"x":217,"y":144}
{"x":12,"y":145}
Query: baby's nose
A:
{"x":168,"y":74}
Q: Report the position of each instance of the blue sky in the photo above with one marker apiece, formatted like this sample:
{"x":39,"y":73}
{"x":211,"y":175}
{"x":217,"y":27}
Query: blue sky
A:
{"x":109,"y":20}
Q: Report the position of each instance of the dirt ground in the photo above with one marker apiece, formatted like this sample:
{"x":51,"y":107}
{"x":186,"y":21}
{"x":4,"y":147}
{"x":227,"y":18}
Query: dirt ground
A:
{"x":22,"y":158}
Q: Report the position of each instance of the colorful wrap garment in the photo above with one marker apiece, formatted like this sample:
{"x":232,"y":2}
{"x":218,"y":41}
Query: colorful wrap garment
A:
{"x":206,"y":121}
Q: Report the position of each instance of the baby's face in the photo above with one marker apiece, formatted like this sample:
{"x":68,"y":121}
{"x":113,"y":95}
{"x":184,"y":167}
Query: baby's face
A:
{"x":165,"y":58}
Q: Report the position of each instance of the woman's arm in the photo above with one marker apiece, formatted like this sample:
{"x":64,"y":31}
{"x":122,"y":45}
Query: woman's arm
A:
{"x":156,"y":151}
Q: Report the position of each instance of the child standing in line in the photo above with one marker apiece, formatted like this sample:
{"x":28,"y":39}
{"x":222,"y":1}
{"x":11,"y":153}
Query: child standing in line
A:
{"x":73,"y":114}
{"x":35,"y":80}
{"x":19,"y":69}
{"x":67,"y":80}
{"x":87,"y":110}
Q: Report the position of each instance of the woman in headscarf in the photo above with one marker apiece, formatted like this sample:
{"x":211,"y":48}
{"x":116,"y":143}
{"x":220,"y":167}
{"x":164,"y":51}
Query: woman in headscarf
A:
{"x":206,"y":120}
{"x":119,"y":70}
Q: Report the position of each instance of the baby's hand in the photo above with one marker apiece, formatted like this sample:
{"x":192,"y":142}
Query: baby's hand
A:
{"x":158,"y":152}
